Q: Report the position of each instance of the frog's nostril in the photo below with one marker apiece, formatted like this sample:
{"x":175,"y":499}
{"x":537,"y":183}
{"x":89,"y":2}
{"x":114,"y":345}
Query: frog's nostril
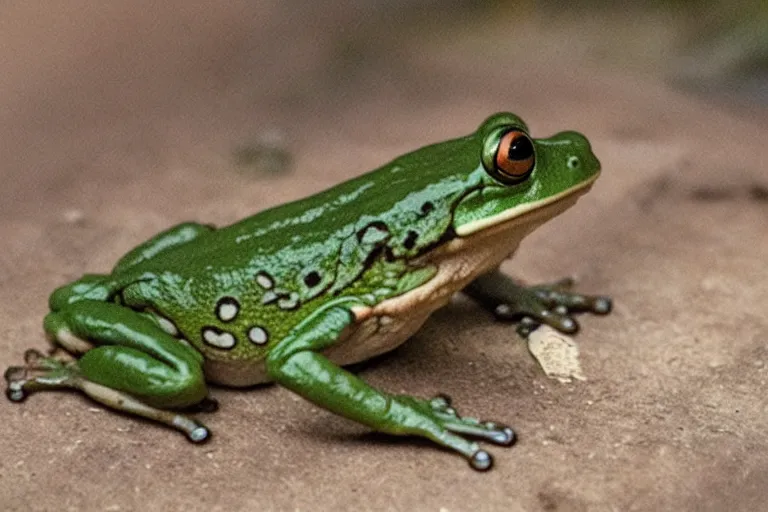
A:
{"x":574,"y":163}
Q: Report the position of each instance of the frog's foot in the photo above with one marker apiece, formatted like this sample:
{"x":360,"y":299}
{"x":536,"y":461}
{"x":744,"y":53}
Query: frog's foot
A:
{"x":552,"y":304}
{"x":472,"y":427}
{"x":437,"y":420}
{"x":40,"y":373}
{"x":294,"y":365}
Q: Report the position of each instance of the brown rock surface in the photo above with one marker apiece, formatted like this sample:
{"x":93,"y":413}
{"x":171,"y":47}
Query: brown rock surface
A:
{"x":118,"y":121}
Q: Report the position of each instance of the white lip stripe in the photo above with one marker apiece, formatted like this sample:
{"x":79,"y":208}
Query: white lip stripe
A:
{"x":480,"y":224}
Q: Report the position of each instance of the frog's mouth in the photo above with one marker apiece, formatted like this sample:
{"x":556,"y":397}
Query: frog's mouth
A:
{"x":540,"y":210}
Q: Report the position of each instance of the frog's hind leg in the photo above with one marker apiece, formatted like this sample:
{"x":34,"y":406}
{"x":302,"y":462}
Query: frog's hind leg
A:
{"x":296,"y":364}
{"x":47,"y":373}
{"x":552,"y":304}
{"x":135,"y":367}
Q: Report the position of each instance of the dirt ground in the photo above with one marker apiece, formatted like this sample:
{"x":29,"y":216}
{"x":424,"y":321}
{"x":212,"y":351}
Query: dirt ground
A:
{"x":117,"y":121}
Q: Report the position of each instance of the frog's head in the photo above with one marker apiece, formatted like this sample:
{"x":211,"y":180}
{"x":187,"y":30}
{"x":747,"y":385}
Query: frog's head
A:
{"x":521,"y":174}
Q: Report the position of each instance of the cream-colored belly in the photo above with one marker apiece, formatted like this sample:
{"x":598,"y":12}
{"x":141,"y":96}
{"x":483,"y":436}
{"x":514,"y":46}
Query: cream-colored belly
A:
{"x":387,"y":325}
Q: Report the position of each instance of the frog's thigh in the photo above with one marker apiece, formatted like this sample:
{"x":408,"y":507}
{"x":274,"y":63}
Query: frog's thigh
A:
{"x":61,"y":336}
{"x":133,"y":354}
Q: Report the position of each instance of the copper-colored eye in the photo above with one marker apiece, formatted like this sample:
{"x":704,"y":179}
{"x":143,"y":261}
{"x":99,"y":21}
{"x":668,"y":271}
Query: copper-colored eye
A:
{"x":515,"y":156}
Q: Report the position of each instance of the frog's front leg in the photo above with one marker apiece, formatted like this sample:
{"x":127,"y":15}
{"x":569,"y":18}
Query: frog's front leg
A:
{"x":552,"y":304}
{"x":297,"y":364}
{"x":135,"y":367}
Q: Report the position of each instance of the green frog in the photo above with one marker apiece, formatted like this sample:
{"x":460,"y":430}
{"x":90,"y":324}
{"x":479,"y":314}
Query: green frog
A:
{"x":294,"y":293}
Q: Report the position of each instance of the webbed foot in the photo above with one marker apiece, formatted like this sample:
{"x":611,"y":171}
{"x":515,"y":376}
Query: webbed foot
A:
{"x":552,"y":304}
{"x":463,"y":427}
{"x":39,"y":371}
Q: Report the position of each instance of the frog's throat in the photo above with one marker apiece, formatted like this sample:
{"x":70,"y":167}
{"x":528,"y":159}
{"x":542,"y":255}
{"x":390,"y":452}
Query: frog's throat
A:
{"x":518,"y":211}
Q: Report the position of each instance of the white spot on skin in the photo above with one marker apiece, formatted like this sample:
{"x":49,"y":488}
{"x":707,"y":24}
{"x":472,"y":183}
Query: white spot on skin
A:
{"x":219,"y":339}
{"x":269,"y":298}
{"x":264,"y":281}
{"x":258,"y":335}
{"x":227,"y":309}
{"x":289,"y":302}
{"x":167,"y":326}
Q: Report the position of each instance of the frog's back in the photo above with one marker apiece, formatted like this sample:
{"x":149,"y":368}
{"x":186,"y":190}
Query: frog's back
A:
{"x":235,"y":291}
{"x":409,"y":193}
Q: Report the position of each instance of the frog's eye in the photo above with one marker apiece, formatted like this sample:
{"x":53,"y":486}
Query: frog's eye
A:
{"x":515,"y":156}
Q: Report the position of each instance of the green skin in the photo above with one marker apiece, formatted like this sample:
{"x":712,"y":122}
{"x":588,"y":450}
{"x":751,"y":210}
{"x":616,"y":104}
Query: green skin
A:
{"x":276,"y":290}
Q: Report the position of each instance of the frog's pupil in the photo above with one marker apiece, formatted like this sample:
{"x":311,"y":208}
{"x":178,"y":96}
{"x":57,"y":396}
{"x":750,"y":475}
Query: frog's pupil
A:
{"x":520,"y":149}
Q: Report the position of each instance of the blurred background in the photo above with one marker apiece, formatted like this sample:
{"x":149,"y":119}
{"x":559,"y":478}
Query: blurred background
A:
{"x":120,"y":118}
{"x":192,"y":79}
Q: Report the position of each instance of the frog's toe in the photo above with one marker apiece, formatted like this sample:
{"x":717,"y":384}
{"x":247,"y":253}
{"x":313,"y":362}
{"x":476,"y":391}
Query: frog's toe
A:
{"x":35,"y":360}
{"x":530,"y":318}
{"x":557,"y":298}
{"x":563,"y":284}
{"x":441,"y":402}
{"x":199,"y":434}
{"x":14,"y":373}
{"x":526,"y":326}
{"x":16,"y":394}
{"x":481,"y":460}
{"x":507,"y":437}
{"x":497,"y":434}
{"x":602,"y":305}
{"x":33,"y":356}
{"x":486,"y":430}
{"x":15,"y":377}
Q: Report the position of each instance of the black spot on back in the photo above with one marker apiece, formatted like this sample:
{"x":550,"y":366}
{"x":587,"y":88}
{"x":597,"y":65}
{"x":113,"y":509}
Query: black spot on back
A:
{"x":410,"y":240}
{"x":312,"y":279}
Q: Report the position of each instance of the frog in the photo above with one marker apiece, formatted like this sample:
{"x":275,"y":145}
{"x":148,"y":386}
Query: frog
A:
{"x":296,"y":293}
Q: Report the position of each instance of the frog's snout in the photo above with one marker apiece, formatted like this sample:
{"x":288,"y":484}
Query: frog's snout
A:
{"x":577,"y":152}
